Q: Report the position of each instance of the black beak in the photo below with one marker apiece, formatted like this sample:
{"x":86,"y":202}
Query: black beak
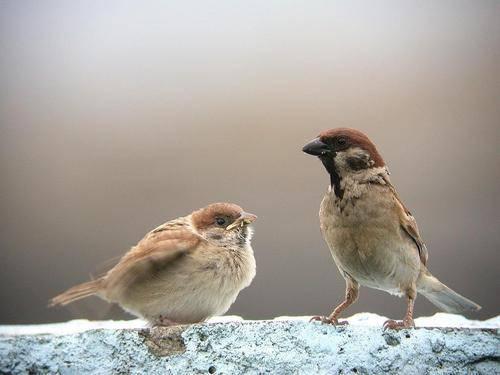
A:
{"x":316,"y":147}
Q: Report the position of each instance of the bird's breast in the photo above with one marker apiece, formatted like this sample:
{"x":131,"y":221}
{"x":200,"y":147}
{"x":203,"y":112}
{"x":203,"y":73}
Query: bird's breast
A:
{"x":364,"y":236}
{"x":229,"y":268}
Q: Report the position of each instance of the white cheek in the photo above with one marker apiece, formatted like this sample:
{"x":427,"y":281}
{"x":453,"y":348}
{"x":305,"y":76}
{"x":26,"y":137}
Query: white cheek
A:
{"x":342,"y":156}
{"x":341,"y":160}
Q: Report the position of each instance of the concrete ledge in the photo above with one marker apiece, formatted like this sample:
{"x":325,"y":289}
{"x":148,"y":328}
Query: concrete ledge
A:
{"x":283,"y":346}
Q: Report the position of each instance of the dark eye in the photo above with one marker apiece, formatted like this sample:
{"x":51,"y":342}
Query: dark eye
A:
{"x":341,"y":141}
{"x":220,"y":221}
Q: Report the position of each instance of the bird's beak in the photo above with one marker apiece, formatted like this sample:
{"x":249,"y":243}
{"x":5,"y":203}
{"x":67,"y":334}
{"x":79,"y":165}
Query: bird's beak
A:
{"x":245,"y":219}
{"x":316,"y":147}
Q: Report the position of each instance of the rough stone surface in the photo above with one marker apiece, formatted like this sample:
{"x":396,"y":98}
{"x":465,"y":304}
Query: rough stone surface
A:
{"x":282,"y":346}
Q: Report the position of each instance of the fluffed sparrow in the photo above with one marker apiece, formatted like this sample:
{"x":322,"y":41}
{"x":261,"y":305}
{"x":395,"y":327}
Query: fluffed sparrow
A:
{"x":185,"y":271}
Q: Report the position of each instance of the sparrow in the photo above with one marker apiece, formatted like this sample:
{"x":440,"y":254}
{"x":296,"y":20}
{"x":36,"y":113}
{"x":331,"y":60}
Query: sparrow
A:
{"x":184,"y":271}
{"x":373,"y":238}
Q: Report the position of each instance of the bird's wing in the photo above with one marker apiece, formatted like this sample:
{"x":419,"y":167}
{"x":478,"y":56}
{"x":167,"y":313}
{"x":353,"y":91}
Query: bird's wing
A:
{"x":409,"y":226}
{"x":156,"y":250}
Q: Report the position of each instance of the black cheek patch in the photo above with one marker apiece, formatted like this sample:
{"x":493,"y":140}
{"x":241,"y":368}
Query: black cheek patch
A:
{"x":216,"y":236}
{"x":357,"y":163}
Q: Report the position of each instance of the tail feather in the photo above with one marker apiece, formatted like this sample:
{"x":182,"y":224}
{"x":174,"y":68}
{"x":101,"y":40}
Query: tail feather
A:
{"x":77,"y":292}
{"x":443,"y":297}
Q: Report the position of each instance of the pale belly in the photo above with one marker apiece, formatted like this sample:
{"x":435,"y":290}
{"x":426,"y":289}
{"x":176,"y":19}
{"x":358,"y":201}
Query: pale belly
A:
{"x":187,"y":293}
{"x":368,"y":245}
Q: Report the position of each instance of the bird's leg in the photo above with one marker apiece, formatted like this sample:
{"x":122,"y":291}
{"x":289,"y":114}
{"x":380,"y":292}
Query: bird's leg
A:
{"x":163,"y":321}
{"x":351,"y":295}
{"x":407,"y":321}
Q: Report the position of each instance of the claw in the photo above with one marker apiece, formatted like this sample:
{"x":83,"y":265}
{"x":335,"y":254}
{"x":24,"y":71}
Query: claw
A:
{"x":328,"y":320}
{"x":398,"y":324}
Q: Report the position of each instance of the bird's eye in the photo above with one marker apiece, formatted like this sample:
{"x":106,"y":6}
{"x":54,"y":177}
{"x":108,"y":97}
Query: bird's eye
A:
{"x":220,"y":221}
{"x":341,"y":141}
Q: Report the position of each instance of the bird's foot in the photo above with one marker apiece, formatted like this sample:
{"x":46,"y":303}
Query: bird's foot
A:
{"x":163,"y":321}
{"x":328,"y":320}
{"x":399,"y":324}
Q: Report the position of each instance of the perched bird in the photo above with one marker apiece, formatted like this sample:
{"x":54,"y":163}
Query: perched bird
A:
{"x":373,"y":238}
{"x":184,"y":271}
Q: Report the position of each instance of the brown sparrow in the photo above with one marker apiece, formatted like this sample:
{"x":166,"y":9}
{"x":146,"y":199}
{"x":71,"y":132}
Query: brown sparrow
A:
{"x":373,"y":238}
{"x":184,"y":271}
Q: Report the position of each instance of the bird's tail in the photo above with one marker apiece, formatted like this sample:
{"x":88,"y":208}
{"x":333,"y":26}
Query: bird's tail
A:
{"x":443,"y":297}
{"x":77,"y":292}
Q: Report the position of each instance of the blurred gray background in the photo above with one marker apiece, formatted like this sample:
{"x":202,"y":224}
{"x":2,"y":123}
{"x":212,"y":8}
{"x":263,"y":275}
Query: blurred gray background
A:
{"x":116,"y":116}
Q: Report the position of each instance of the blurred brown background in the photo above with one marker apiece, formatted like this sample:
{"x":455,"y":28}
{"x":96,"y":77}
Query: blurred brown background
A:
{"x":116,"y":116}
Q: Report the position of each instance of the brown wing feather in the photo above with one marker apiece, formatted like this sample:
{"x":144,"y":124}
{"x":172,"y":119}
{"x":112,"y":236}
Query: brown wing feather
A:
{"x":409,"y":225}
{"x":158,"y":248}
{"x":104,"y":267}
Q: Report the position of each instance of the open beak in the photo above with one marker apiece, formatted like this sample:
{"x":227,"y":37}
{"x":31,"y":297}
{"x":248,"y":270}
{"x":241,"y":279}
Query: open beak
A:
{"x":316,"y":147}
{"x":245,"y":219}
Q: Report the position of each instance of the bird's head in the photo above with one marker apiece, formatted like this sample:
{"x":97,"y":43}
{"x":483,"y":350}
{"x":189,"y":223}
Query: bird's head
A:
{"x":224,"y":224}
{"x":344,"y":152}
